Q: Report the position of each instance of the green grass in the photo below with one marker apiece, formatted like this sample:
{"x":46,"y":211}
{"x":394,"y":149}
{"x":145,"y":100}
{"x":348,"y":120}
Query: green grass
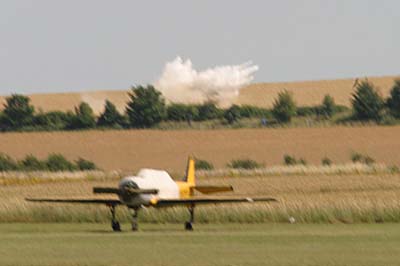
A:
{"x":231,"y":244}
{"x":248,"y":214}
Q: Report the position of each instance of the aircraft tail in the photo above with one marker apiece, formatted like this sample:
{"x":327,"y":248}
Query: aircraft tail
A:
{"x":190,"y":177}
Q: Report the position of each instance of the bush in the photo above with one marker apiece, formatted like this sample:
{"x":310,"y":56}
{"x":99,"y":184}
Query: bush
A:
{"x":249,"y":111}
{"x":367,"y":103}
{"x":208,"y":111}
{"x":7,"y":163}
{"x":31,"y":163}
{"x":57,"y":162}
{"x":393,"y":102}
{"x":2,"y":122}
{"x":244,"y":164}
{"x":302,"y":161}
{"x":177,"y":112}
{"x":84,"y":165}
{"x":307,"y":110}
{"x":356,"y":157}
{"x":328,"y":107}
{"x":146,"y":107}
{"x":289,"y":160}
{"x":110,"y":117}
{"x":326,"y":161}
{"x":203,"y":165}
{"x":341,"y":108}
{"x":55,"y":120}
{"x":360,"y":158}
{"x":368,"y":160}
{"x":232,"y":114}
{"x":182,"y":112}
{"x":84,"y":117}
{"x":284,"y":107}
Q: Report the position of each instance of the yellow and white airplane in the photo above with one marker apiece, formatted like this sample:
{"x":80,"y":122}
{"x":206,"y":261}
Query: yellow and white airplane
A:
{"x":156,"y":188}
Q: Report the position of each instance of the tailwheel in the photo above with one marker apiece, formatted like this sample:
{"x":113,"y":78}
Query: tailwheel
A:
{"x":189,"y":224}
{"x":116,"y":227}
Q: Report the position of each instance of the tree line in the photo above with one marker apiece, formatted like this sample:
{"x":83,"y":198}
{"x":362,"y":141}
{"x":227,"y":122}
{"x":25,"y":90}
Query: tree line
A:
{"x":146,"y":108}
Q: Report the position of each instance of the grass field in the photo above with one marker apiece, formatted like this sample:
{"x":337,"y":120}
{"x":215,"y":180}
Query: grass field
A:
{"x":133,"y":149}
{"x":91,"y":245}
{"x":306,"y":93}
{"x":333,"y":198}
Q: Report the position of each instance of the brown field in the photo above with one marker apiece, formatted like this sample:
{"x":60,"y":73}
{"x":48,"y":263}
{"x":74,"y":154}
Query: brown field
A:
{"x":308,"y":93}
{"x":313,"y":198}
{"x":133,"y":149}
{"x":260,"y":94}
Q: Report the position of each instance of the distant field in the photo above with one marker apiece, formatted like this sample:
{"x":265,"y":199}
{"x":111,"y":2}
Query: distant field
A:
{"x":310,"y":92}
{"x":130,"y":150}
{"x":260,"y":94}
{"x":283,"y":245}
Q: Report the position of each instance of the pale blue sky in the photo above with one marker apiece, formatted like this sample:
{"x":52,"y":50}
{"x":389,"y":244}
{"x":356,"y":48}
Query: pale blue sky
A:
{"x":53,"y":46}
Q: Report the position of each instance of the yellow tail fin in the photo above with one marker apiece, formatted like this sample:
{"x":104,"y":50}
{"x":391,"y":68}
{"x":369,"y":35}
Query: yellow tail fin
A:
{"x":190,"y":172}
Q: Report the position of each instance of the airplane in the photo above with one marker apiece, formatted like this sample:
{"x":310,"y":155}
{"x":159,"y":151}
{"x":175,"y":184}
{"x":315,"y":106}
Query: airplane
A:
{"x":156,"y":188}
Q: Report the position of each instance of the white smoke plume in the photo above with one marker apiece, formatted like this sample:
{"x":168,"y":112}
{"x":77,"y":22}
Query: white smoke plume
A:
{"x":179,"y":82}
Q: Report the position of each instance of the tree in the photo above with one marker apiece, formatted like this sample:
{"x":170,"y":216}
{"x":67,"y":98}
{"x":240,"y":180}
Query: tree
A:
{"x":17,"y":112}
{"x":366,"y":102}
{"x":284,"y":107}
{"x":393,"y":102}
{"x":84,"y":117}
{"x":110,"y":117}
{"x":146,"y":107}
{"x":232,"y":114}
{"x":328,"y":106}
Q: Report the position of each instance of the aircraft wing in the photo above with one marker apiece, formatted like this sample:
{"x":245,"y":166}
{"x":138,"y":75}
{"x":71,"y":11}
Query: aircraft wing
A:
{"x":196,"y":201}
{"x":109,"y":202}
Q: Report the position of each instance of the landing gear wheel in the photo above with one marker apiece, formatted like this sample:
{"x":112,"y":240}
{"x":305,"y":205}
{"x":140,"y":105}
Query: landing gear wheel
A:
{"x":114,"y":223}
{"x":116,"y":226}
{"x":188,"y":226}
{"x":134,"y":223}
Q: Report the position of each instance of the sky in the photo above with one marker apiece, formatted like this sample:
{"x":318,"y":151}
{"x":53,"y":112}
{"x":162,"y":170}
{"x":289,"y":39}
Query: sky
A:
{"x":75,"y":45}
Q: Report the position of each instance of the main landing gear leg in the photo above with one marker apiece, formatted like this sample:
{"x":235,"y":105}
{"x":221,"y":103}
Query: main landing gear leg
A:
{"x":135,"y":226}
{"x":114,"y":223}
{"x":188,"y":225}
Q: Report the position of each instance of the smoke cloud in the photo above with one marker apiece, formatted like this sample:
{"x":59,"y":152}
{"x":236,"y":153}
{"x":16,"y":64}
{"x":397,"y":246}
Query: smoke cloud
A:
{"x":180,"y":82}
